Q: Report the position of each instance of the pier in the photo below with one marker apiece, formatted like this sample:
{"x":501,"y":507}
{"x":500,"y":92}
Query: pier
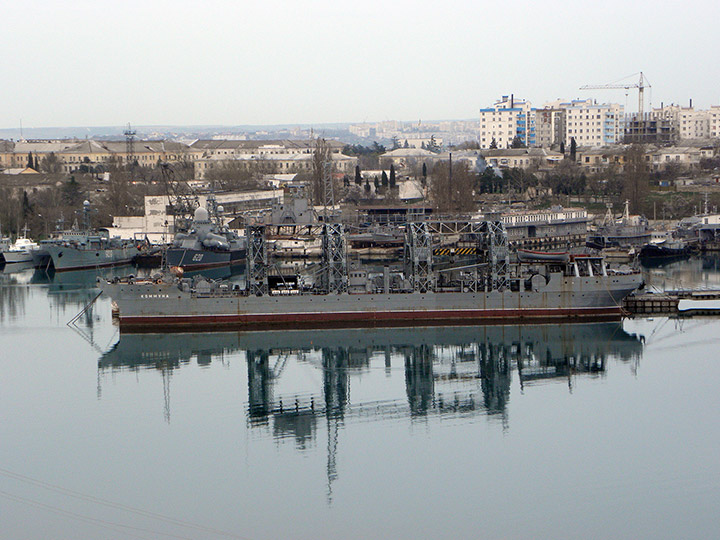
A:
{"x":674,"y":303}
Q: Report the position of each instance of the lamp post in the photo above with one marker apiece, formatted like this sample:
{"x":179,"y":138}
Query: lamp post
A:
{"x":45,"y":225}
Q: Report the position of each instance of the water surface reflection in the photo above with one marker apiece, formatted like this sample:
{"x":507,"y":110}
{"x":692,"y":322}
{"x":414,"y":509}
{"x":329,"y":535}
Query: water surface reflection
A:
{"x":458,"y":370}
{"x":701,"y":272}
{"x":298,"y":381}
{"x":13,"y":290}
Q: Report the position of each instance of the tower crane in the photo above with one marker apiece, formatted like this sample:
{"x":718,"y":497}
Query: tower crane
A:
{"x":641,"y":85}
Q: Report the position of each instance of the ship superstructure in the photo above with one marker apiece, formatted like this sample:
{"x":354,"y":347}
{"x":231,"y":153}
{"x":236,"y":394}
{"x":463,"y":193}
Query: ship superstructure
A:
{"x":207,"y":243}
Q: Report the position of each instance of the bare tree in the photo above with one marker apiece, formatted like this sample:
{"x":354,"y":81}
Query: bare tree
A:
{"x":239,"y":175}
{"x":51,"y":164}
{"x":636,"y":177}
{"x":452,"y":193}
{"x":321,"y":156}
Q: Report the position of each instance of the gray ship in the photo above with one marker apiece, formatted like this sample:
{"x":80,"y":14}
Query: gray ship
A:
{"x":491,"y":291}
{"x":207,"y":244}
{"x":628,"y":231}
{"x":90,"y":249}
{"x":80,"y":248}
{"x":5,"y":244}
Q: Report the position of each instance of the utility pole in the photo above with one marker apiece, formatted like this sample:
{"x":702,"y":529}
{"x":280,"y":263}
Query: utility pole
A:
{"x":450,"y":182}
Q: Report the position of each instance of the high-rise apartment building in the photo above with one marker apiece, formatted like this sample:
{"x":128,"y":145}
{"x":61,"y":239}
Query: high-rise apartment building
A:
{"x":593,"y":124}
{"x":590,"y":123}
{"x":693,"y":124}
{"x":688,"y":123}
{"x":507,"y":119}
{"x":715,"y":121}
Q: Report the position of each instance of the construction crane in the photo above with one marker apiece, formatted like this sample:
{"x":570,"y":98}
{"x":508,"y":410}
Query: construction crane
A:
{"x":641,"y":85}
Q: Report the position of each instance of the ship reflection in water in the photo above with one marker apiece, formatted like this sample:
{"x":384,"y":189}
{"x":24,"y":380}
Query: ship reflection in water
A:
{"x":460,"y":371}
{"x":456,"y":370}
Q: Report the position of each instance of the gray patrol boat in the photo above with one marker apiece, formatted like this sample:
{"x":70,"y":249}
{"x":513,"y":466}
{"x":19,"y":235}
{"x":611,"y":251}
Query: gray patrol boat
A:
{"x":81,"y":248}
{"x":207,"y":243}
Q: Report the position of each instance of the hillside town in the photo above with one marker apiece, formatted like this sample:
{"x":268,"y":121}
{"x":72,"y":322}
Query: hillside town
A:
{"x":514,"y":156}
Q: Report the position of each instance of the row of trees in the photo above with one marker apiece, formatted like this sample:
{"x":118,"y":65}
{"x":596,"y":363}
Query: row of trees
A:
{"x":385,"y":180}
{"x":60,"y":197}
{"x":49,"y":164}
{"x":39,"y":209}
{"x":456,"y":188}
{"x":368,"y":156}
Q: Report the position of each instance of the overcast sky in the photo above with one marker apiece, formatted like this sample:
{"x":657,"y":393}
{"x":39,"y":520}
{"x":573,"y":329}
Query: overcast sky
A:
{"x":92,"y":63}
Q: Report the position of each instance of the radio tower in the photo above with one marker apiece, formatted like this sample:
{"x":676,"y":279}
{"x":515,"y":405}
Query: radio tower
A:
{"x":130,"y":145}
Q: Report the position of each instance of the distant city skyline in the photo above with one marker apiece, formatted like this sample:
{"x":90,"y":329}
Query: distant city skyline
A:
{"x":320,"y":62}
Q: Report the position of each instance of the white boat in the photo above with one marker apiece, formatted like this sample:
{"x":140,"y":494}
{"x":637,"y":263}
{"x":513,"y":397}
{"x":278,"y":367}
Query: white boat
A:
{"x":20,"y":251}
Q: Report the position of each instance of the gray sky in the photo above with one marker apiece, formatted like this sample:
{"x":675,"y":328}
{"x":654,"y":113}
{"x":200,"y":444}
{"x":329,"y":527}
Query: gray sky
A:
{"x":91,"y":63}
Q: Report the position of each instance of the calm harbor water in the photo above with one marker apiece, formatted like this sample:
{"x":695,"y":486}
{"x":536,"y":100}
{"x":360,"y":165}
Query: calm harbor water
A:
{"x":604,"y":430}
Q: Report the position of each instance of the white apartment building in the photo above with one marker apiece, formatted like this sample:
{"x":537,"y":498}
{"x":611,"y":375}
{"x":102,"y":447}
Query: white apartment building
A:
{"x":715,"y":121}
{"x":590,"y":123}
{"x":506,"y":119}
{"x":368,"y":131}
{"x":593,"y":124}
{"x":693,"y":124}
{"x":688,"y":123}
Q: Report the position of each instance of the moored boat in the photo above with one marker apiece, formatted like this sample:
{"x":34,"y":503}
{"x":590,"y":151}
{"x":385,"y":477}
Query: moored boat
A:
{"x":668,"y":249}
{"x":20,"y":251}
{"x":206,"y":245}
{"x":528,"y":255}
{"x":41,"y":256}
{"x":5,"y":243}
{"x":627,"y":231}
{"x":494,"y":290}
{"x":81,"y":248}
{"x":95,"y":251}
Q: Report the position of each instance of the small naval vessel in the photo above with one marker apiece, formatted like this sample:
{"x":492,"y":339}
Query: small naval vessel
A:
{"x":207,"y":244}
{"x":5,"y":243}
{"x":627,"y":231}
{"x":81,"y":248}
